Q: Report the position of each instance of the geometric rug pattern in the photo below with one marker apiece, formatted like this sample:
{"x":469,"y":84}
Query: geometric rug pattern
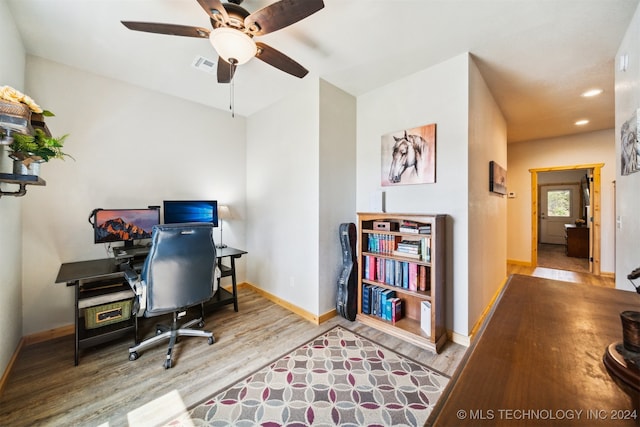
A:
{"x":337,"y":379}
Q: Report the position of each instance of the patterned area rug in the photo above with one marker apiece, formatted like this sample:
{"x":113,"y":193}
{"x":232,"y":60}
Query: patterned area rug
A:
{"x":338,"y":378}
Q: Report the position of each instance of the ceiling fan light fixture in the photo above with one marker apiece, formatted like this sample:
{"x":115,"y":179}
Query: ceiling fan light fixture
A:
{"x":232,"y":44}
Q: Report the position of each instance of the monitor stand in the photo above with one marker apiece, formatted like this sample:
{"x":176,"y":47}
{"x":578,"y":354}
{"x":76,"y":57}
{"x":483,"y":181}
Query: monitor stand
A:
{"x":129,"y":250}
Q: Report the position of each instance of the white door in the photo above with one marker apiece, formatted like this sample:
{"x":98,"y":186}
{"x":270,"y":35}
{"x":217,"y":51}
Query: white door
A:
{"x":559,"y":205}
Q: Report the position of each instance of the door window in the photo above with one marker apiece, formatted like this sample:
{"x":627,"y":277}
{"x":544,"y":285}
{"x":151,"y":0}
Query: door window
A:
{"x":559,"y":203}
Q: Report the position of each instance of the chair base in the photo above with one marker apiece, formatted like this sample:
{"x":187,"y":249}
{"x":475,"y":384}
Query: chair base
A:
{"x":172,"y":333}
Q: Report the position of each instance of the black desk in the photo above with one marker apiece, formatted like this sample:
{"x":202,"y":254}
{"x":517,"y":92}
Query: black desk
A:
{"x":102,"y":280}
{"x":223,"y":296}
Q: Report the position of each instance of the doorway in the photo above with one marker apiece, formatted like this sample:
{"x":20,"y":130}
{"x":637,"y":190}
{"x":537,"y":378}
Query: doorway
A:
{"x":565,"y":209}
{"x":559,"y":205}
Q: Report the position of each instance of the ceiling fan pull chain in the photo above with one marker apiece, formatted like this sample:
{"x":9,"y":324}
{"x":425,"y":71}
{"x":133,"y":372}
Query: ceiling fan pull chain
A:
{"x":231,"y":88}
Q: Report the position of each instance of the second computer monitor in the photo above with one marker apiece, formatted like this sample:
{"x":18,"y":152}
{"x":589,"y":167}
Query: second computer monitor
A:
{"x":180,"y":211}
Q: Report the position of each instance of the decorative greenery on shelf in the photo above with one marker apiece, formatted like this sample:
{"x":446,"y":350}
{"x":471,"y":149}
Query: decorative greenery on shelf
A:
{"x":39,"y":146}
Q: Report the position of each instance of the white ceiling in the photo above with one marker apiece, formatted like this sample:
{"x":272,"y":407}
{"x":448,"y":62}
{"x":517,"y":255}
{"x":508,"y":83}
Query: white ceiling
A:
{"x":537,"y":56}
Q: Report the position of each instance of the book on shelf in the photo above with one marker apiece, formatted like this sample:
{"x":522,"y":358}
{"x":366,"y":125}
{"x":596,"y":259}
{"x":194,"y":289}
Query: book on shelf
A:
{"x":396,"y":309}
{"x":383,"y":311}
{"x":398,"y":273}
{"x":409,"y":245}
{"x":424,"y":229}
{"x":422,"y":278}
{"x":391,"y":272}
{"x":367,"y":292}
{"x":419,"y":248}
{"x":370,"y":267}
{"x":408,"y":230}
{"x":408,"y":249}
{"x":374,"y":300}
{"x":405,"y":275}
{"x":413,"y":276}
{"x":414,"y":227}
{"x":407,"y":255}
{"x":379,"y":270}
{"x":426,"y":249}
{"x":380,"y":243}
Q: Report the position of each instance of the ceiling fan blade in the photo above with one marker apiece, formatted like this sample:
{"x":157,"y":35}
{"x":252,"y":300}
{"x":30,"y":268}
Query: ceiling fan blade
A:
{"x":170,"y":29}
{"x":279,"y":60}
{"x":225,"y":71}
{"x":215,"y":10}
{"x":280,"y":14}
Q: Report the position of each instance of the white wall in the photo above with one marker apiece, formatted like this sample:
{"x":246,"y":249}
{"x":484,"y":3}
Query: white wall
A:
{"x":282,"y":166}
{"x":132,"y":148}
{"x":337,"y":184}
{"x":487,"y":211}
{"x":441,"y":95}
{"x":627,"y":186}
{"x":300,"y":187}
{"x":11,"y":74}
{"x":585,"y":148}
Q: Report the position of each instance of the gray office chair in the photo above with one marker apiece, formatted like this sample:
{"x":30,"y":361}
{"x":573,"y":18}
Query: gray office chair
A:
{"x":180,"y":272}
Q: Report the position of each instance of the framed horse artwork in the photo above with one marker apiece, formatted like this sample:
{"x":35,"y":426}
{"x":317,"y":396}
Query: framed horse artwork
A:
{"x":409,"y":156}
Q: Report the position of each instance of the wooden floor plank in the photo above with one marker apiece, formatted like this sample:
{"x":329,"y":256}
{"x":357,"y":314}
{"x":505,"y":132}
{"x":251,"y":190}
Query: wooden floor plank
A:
{"x":45,"y":388}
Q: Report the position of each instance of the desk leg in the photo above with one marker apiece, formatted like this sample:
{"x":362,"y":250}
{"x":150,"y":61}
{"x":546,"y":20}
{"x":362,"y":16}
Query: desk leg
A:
{"x":77,"y":319}
{"x":233,"y":283}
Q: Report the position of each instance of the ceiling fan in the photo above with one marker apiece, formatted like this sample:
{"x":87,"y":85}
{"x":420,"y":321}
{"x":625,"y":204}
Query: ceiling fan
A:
{"x":234,"y":29}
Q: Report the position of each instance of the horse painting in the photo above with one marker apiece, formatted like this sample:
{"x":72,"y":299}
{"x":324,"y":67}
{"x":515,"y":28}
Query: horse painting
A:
{"x":409,"y":156}
{"x":630,"y":148}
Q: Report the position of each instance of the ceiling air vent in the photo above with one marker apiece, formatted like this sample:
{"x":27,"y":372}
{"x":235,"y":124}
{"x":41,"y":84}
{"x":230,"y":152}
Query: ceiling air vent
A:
{"x":204,"y":64}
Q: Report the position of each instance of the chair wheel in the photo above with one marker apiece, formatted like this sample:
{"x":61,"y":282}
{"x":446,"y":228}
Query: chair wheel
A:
{"x":167,"y":364}
{"x":133,"y":355}
{"x":201,"y":324}
{"x":211,"y":340}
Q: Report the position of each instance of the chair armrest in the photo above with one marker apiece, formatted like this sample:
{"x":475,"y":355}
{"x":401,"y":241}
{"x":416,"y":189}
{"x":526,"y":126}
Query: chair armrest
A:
{"x":131,"y":276}
{"x":139,"y":288}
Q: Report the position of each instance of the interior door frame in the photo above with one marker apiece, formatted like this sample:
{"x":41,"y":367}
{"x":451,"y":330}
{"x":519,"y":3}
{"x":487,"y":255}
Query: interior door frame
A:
{"x":594,"y":232}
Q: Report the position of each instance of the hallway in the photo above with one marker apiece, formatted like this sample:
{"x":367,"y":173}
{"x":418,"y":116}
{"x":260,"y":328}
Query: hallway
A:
{"x":554,"y":256}
{"x":562,"y":275}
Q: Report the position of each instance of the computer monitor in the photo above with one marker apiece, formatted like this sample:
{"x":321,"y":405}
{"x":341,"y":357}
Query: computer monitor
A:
{"x":124,"y":225}
{"x":180,"y":211}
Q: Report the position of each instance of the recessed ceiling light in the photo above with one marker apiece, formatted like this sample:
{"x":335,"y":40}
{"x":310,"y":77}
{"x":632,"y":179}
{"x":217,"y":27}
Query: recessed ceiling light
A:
{"x":582,"y":122}
{"x":592,"y":92}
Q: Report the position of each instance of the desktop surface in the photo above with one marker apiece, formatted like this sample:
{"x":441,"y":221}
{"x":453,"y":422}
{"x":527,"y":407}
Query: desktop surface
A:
{"x":72,"y":271}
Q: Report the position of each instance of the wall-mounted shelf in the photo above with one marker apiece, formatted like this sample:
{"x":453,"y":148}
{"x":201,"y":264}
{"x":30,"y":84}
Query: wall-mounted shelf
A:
{"x":22,"y":181}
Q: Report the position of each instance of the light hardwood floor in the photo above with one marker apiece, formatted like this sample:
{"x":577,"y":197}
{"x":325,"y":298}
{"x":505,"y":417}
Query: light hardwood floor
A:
{"x":45,"y":388}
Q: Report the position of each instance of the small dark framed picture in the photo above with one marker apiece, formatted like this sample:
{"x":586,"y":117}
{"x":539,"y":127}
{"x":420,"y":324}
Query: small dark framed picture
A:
{"x":497,"y":178}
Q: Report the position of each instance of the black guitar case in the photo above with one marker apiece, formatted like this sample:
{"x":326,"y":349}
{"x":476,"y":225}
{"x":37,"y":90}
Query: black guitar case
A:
{"x":347,"y":296}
